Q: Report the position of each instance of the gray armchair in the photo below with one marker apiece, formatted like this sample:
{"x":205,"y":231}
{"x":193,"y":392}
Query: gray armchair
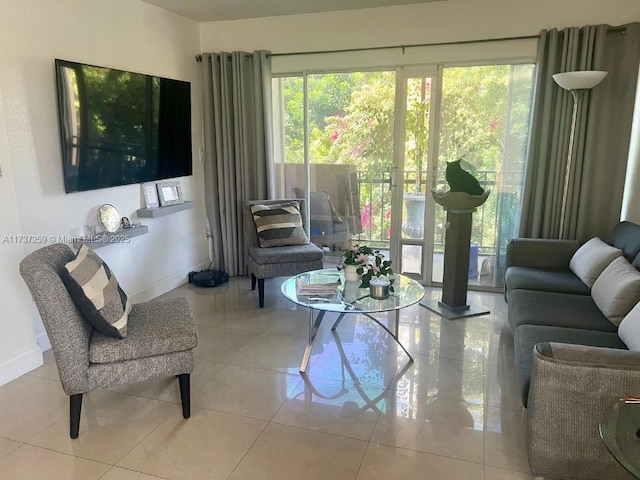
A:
{"x":276,"y":261}
{"x":328,"y":228}
{"x":160,"y":340}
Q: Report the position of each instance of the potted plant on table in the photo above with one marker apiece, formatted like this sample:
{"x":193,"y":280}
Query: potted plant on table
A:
{"x":355,"y":259}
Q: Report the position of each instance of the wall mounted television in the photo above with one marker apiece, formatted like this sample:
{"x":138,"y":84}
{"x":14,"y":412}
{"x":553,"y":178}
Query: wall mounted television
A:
{"x":120,"y":128}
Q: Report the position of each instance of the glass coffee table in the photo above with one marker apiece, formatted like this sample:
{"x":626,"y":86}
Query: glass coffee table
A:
{"x":620,"y":432}
{"x":348,"y":298}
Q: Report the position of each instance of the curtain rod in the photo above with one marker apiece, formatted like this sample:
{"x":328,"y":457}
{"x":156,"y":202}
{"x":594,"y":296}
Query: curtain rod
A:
{"x":390,"y":47}
{"x":622,"y":30}
{"x":403,"y":47}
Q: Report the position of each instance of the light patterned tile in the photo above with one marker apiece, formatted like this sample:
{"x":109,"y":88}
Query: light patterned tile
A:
{"x":49,"y":369}
{"x":233,"y":390}
{"x":344,"y":409}
{"x":7,"y":446}
{"x":41,"y":402}
{"x":288,"y":453}
{"x":207,"y":445}
{"x":221,"y":344}
{"x":273,"y":352}
{"x":383,"y":462}
{"x":111,"y":424}
{"x":493,"y":473}
{"x":434,"y":425}
{"x":117,"y":473}
{"x":505,"y":441}
{"x":33,"y":463}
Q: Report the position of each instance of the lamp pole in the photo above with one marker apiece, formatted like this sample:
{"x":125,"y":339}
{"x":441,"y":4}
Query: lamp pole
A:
{"x":577,"y":83}
{"x":577,"y":95}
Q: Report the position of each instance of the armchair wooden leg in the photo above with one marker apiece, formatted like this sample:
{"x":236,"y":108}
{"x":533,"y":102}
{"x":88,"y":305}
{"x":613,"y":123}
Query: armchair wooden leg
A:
{"x":75,"y":406}
{"x":253,"y":282}
{"x":185,"y":394}
{"x":261,"y":292}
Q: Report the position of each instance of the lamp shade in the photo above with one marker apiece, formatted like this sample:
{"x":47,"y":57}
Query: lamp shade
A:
{"x":582,"y":80}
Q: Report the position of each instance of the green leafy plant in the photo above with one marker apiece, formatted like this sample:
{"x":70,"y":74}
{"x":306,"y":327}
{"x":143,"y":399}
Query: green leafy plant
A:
{"x":357,"y":255}
{"x":377,"y":266}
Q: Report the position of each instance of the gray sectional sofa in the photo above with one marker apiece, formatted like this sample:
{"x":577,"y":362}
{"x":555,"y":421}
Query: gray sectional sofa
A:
{"x":571,"y":363}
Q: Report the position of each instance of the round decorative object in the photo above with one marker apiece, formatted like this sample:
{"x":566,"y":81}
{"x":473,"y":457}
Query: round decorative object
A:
{"x":109,"y":218}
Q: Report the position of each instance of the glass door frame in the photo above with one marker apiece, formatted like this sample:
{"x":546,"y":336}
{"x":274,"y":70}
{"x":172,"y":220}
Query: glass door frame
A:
{"x":398,"y":171}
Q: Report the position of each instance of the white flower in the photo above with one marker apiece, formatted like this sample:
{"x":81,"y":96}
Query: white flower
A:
{"x":362,"y":258}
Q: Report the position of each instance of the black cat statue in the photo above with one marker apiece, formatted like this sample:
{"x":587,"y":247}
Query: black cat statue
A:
{"x":462,"y":181}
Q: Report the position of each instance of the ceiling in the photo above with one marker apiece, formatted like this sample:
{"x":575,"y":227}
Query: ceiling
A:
{"x":217,"y":10}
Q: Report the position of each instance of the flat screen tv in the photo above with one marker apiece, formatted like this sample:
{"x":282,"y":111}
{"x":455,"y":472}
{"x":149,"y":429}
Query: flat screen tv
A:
{"x":119,"y":128}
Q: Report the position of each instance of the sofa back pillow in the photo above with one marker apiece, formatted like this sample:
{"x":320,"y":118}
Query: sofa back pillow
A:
{"x":629,"y":330}
{"x":591,"y":259}
{"x":617,"y":290}
{"x":279,"y":225}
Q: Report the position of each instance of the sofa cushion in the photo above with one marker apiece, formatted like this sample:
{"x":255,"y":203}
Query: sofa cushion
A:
{"x":529,"y":307}
{"x":155,"y":328}
{"x":529,"y":278}
{"x":527,"y":336}
{"x":617,"y":290}
{"x":629,"y":329}
{"x":294,"y":254}
{"x":591,"y":259}
{"x":626,"y":237}
{"x":279,"y":224}
{"x":97,"y":294}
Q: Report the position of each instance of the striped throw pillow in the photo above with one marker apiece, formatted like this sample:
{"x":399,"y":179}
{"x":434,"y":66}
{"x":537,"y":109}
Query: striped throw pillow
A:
{"x":97,"y":294}
{"x":279,"y":224}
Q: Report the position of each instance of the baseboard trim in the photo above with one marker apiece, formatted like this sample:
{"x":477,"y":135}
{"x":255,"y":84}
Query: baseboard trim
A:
{"x":20,"y":364}
{"x":163,"y":285}
{"x":43,"y":341}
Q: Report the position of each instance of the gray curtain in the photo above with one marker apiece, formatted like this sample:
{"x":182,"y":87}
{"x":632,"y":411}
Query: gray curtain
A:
{"x":238,"y":147}
{"x":603,"y":132}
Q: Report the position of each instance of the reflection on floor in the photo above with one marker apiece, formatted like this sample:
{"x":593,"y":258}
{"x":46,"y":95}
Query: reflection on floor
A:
{"x":361,"y":413}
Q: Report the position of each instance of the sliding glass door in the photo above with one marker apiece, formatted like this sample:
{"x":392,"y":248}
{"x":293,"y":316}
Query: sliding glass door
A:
{"x":334,"y":146}
{"x":367,"y":148}
{"x":484,"y":122}
{"x":415,"y":148}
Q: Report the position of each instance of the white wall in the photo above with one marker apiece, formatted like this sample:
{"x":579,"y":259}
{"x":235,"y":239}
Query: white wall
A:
{"x":125,"y":34}
{"x":19,"y":352}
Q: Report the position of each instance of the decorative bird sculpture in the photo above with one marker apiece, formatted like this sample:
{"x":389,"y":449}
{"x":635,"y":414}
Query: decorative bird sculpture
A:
{"x":462,"y":181}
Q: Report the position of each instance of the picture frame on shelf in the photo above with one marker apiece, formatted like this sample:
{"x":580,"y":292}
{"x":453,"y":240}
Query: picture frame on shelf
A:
{"x":150,"y":195}
{"x":169,"y":193}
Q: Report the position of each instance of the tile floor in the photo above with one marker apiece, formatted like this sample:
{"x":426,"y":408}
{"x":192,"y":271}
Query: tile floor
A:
{"x":361,"y":413}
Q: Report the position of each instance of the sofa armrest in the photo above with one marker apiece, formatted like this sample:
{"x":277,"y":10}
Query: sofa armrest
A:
{"x":541,"y":253}
{"x":571,"y":388}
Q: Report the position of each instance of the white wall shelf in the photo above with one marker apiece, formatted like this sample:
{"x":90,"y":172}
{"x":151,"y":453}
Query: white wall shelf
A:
{"x":162,"y":211}
{"x":105,"y":238}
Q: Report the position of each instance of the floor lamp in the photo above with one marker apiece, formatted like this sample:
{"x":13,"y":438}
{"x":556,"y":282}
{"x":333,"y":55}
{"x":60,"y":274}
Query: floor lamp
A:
{"x":577,"y":83}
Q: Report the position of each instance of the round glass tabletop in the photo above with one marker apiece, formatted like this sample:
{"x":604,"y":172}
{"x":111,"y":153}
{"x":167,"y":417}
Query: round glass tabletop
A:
{"x":344,"y":297}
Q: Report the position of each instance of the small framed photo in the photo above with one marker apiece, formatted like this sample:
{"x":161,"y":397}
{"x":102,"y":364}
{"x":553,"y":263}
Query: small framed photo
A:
{"x":169,"y":193}
{"x":150,"y":195}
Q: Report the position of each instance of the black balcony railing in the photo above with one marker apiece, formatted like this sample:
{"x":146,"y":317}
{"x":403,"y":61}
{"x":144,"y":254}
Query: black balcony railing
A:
{"x":375,"y":209}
